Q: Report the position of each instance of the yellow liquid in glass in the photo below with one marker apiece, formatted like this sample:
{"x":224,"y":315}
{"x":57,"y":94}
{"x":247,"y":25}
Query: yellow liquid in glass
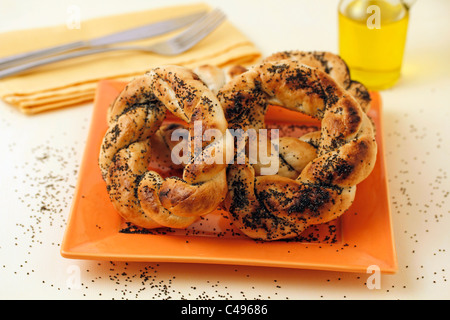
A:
{"x":374,"y":55}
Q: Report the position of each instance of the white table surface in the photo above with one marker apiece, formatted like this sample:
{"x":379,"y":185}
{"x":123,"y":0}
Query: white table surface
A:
{"x":42,"y":154}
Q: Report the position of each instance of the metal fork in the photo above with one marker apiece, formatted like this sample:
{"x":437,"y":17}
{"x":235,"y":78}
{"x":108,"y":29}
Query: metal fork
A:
{"x":172,"y":46}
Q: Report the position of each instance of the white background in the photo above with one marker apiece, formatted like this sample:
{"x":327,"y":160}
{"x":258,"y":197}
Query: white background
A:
{"x":41,"y":156}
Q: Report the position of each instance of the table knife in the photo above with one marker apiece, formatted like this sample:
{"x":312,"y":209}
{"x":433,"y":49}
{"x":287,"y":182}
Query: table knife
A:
{"x":142,"y":32}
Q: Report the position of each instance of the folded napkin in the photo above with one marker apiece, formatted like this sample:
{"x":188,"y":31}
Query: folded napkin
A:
{"x":74,"y":81}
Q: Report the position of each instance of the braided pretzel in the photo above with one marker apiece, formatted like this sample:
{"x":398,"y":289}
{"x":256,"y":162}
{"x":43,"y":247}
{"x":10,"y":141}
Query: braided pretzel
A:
{"x":135,"y":136}
{"x":294,"y":153}
{"x":276,"y":207}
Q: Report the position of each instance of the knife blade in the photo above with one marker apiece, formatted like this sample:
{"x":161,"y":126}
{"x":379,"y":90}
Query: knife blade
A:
{"x":138,"y":33}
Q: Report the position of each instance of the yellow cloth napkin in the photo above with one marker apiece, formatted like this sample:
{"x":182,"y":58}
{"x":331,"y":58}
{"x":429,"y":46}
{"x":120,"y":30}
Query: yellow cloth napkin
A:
{"x":73,"y":81}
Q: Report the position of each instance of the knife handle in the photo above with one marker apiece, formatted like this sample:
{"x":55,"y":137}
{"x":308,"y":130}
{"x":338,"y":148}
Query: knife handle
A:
{"x":28,"y":56}
{"x":5,"y":72}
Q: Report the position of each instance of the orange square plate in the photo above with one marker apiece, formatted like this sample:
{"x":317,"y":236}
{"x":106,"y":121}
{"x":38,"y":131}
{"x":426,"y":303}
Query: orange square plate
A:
{"x":360,"y":238}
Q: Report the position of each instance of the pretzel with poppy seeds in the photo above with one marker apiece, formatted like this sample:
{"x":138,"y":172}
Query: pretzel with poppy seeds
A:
{"x":275,"y":207}
{"x":294,"y":153}
{"x":135,"y":136}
